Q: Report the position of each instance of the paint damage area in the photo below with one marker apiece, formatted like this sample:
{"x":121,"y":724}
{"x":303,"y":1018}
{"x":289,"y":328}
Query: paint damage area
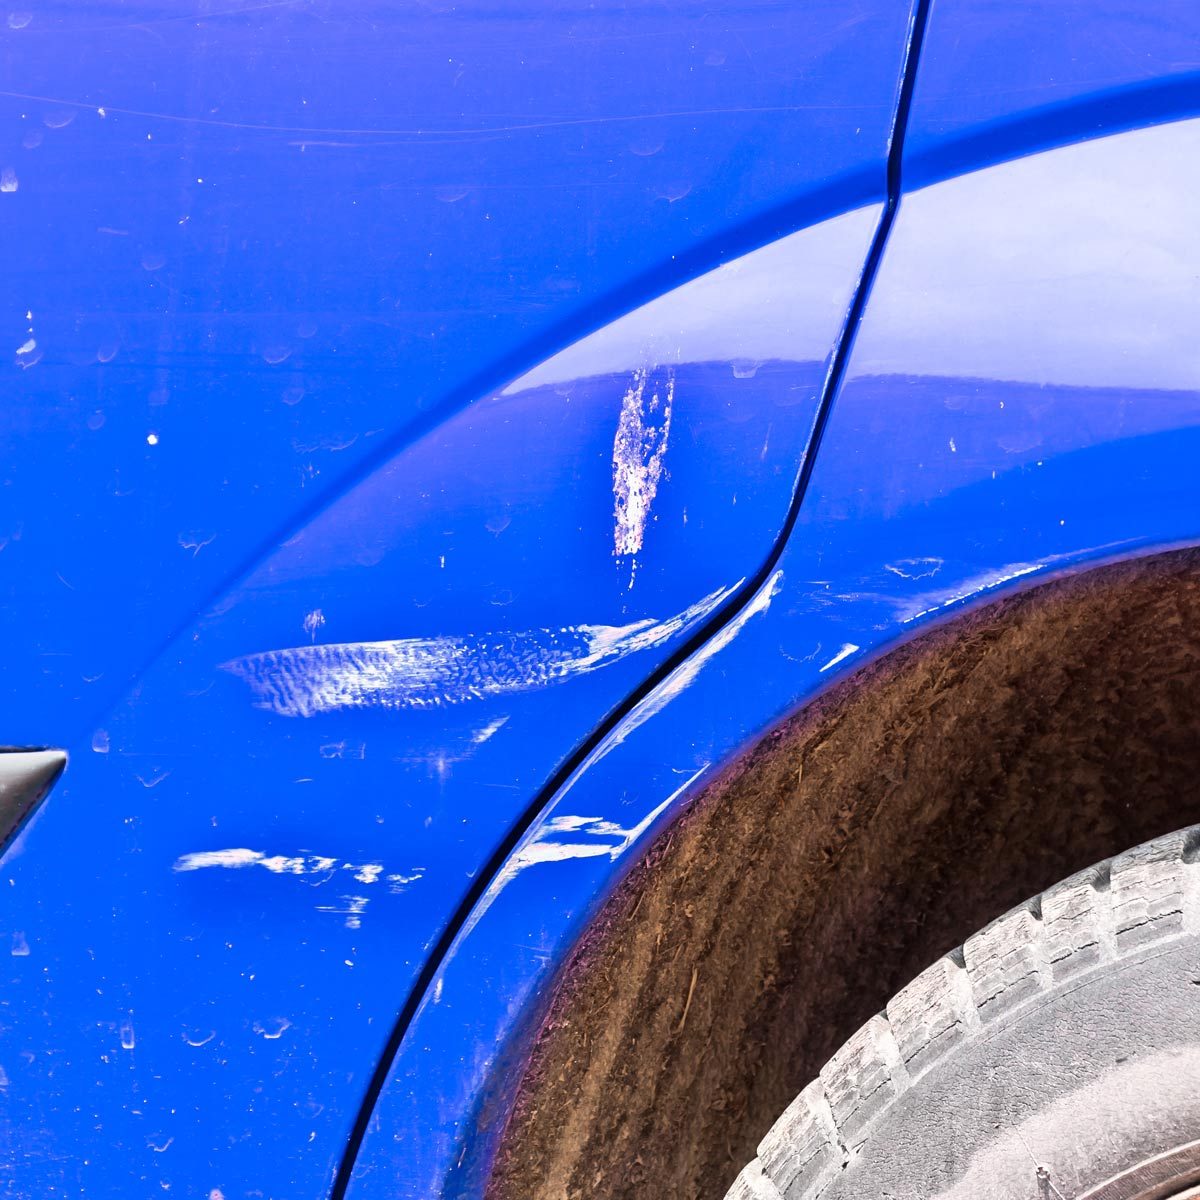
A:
{"x":314,"y":869}
{"x":639,"y":448}
{"x":874,"y":831}
{"x":424,"y":673}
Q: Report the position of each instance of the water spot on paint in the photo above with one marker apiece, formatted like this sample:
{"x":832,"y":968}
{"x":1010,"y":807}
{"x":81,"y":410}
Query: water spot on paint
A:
{"x":19,"y":20}
{"x":152,"y":260}
{"x":744,"y":368}
{"x":32,"y":139}
{"x":312,"y":622}
{"x":674,"y":191}
{"x":646,"y":148}
{"x":8,"y":180}
{"x":451,"y":193}
{"x":58,"y":118}
{"x":20,"y":945}
{"x":100,"y":742}
{"x":197,"y":1038}
{"x":128,"y":1038}
{"x":274,"y":355}
{"x":107,"y":352}
{"x":292,"y":395}
{"x":272,"y":1027}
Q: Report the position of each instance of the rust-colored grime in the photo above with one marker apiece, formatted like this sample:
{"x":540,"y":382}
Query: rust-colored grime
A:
{"x":874,"y":831}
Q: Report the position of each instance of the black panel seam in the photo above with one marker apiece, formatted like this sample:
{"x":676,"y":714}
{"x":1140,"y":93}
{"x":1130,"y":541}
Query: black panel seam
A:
{"x":719,"y":620}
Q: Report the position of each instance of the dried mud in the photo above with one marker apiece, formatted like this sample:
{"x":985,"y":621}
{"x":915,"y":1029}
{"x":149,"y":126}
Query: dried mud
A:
{"x":874,"y":831}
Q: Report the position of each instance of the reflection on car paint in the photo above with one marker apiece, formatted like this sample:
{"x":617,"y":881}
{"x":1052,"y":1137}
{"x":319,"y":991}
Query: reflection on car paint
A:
{"x":950,"y":473}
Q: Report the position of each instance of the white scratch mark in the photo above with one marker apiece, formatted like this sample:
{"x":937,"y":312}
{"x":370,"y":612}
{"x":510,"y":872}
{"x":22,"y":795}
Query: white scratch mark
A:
{"x":482,"y":735}
{"x":423,"y":673}
{"x":848,"y":648}
{"x":683,"y":676}
{"x":352,"y":908}
{"x":639,"y":448}
{"x":924,"y":605}
{"x":397,"y":883}
{"x":915,"y":568}
{"x":544,"y":845}
{"x":315,"y":869}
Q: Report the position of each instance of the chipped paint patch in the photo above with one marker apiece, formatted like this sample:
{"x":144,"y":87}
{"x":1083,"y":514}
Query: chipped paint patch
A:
{"x":423,"y":673}
{"x":639,"y":448}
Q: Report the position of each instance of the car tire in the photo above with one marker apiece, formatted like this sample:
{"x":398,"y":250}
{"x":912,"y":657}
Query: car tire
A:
{"x":1054,"y":1056}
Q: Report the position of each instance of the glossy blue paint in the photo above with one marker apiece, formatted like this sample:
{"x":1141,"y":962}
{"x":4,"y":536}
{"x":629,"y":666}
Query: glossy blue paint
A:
{"x":1023,"y":400}
{"x":998,"y":81}
{"x":508,"y":489}
{"x":251,"y":250}
{"x":331,"y":429}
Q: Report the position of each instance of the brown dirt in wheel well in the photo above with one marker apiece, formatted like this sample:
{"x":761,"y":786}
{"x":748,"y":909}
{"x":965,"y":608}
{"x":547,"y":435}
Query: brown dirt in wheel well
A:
{"x":874,"y":831}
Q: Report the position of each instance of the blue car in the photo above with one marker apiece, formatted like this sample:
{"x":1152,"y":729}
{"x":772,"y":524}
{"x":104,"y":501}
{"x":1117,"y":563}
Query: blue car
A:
{"x":555,"y":557}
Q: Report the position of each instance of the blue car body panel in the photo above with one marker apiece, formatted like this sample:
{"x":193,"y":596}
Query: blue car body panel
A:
{"x":281,"y":240}
{"x":417,"y":387}
{"x":371,"y":437}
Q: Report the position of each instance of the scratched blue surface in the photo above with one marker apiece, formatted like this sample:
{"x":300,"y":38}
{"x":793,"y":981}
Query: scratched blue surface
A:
{"x":278,"y":239}
{"x":456,"y":367}
{"x":326,"y":323}
{"x":1023,"y":400}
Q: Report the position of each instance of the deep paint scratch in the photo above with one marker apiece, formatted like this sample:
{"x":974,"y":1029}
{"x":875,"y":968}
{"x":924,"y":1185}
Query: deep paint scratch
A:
{"x":421,"y":673}
{"x":639,"y":448}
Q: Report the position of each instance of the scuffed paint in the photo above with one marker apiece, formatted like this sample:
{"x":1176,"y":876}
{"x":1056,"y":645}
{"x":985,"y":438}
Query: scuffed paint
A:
{"x":682,"y":677}
{"x":314,"y":868}
{"x":423,"y":673}
{"x":569,"y":836}
{"x":847,"y":651}
{"x":639,"y":448}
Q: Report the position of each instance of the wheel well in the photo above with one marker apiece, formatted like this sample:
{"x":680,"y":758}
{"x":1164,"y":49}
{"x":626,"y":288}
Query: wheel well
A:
{"x":873,"y":831}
